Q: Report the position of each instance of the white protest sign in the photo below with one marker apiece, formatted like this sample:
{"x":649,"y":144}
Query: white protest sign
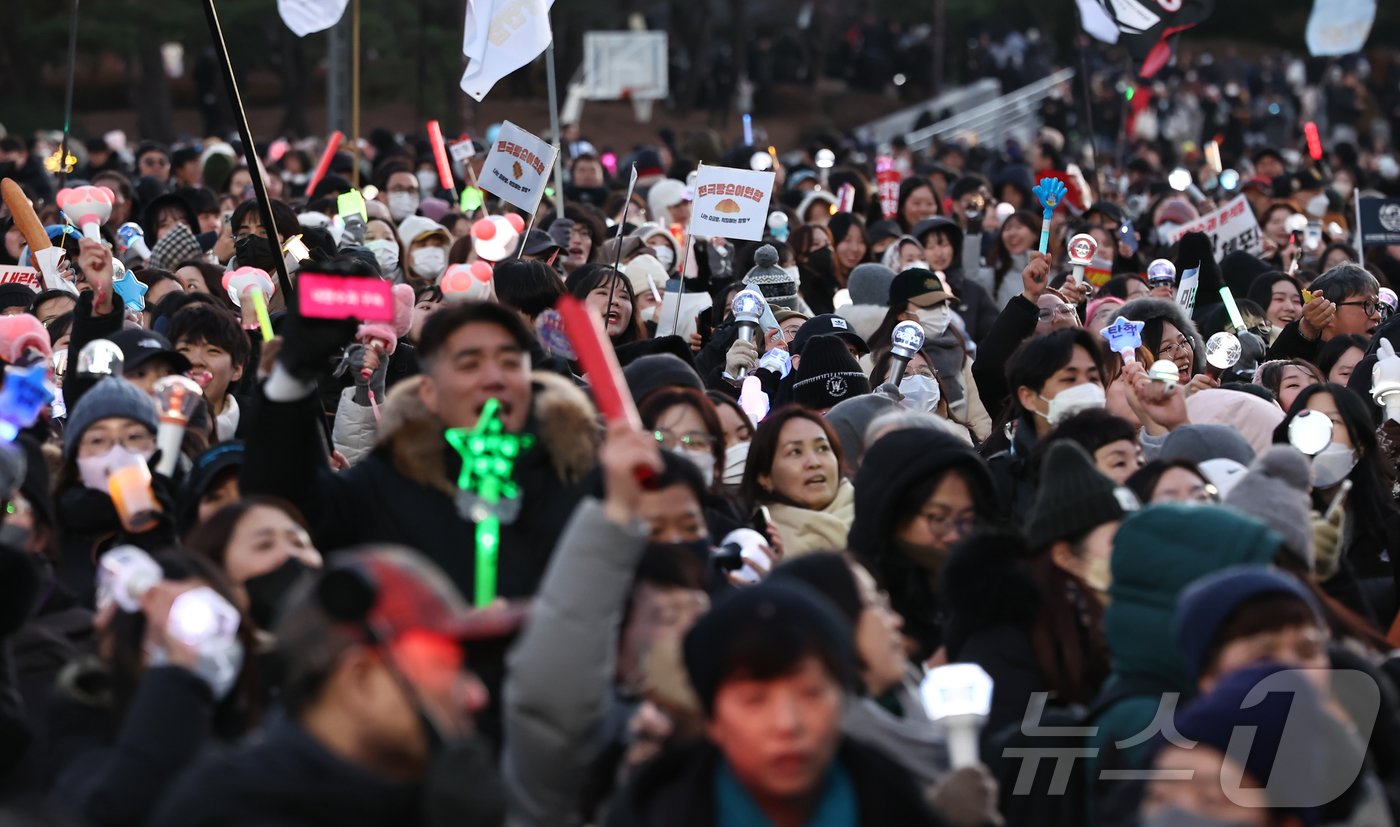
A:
{"x":730,"y":203}
{"x":1232,"y":227}
{"x":1186,"y":289}
{"x":517,"y":167}
{"x":461,"y":151}
{"x":1340,"y":27}
{"x":27,"y":276}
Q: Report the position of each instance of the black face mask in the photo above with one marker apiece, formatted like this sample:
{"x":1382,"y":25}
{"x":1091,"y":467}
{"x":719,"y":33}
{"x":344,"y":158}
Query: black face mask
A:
{"x":446,"y":800}
{"x":821,"y":263}
{"x":266,"y":592}
{"x":7,"y":169}
{"x":255,"y":251}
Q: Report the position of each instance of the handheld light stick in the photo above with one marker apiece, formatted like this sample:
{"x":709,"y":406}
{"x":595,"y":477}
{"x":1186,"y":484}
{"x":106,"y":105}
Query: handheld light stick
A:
{"x":89,"y":206}
{"x":747,"y":307}
{"x":1082,"y":248}
{"x":177,"y":397}
{"x":324,"y":165}
{"x":906,"y":340}
{"x":959,"y":696}
{"x":1050,"y":191}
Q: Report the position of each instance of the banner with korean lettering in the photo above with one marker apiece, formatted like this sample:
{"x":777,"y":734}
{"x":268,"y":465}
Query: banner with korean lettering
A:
{"x":1232,"y":227}
{"x":27,"y":276}
{"x":730,"y":203}
{"x":517,"y":167}
{"x":1380,"y":221}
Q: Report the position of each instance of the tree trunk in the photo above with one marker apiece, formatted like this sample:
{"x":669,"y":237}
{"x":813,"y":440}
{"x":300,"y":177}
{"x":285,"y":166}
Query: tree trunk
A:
{"x":153,"y":104}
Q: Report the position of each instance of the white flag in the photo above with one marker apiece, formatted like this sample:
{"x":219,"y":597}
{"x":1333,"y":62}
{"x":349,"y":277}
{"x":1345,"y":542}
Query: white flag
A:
{"x":304,"y":17}
{"x":1340,"y":27}
{"x":500,"y":37}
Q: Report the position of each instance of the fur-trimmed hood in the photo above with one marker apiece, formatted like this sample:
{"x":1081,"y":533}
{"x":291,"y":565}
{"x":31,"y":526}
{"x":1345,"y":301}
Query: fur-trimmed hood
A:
{"x":1148,"y":309}
{"x":561,"y":416}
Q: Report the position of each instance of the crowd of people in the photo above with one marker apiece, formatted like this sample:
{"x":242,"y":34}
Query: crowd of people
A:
{"x":404,"y":572}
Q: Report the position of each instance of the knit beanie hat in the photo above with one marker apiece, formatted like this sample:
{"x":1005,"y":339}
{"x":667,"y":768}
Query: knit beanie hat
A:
{"x":753,"y":623}
{"x":108,"y":398}
{"x":658,"y":370}
{"x":1276,"y":491}
{"x":771,"y":280}
{"x":828,"y":574}
{"x":1073,"y":497}
{"x":645,"y":273}
{"x":1206,"y":604}
{"x":15,"y":294}
{"x":869,"y":283}
{"x":1199,"y":443}
{"x":828,"y":374}
{"x":1279,"y":708}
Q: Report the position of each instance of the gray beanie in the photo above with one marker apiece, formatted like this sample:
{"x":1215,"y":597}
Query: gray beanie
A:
{"x":108,"y":398}
{"x":1275,"y":491}
{"x":1200,"y":443}
{"x":851,"y":418}
{"x":869,"y":283}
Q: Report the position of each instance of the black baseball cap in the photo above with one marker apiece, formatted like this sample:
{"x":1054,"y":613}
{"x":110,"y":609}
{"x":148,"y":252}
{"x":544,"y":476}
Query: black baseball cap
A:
{"x":539,"y":243}
{"x":920,"y":286}
{"x":141,"y":346}
{"x":827,"y":324}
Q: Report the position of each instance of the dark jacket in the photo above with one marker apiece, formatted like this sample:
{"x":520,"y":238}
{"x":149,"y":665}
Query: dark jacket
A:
{"x":1013,"y":469}
{"x":677,"y":789}
{"x":975,"y":304}
{"x":114,"y":771}
{"x":405,"y":491}
{"x":90,"y":527}
{"x":1292,"y":344}
{"x":285,"y":779}
{"x":1014,"y":324}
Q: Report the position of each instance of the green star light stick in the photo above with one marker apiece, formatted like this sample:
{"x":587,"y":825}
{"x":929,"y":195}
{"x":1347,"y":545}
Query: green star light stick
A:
{"x":488,"y":461}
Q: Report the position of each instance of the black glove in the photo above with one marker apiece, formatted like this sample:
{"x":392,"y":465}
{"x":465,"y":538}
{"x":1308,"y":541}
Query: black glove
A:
{"x":309,"y":345}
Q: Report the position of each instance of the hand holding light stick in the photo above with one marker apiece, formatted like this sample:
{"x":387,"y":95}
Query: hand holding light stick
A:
{"x":256,"y":286}
{"x":748,"y":307}
{"x":324,"y":165}
{"x":444,"y":167}
{"x":959,"y":696}
{"x":1124,"y":338}
{"x":906,"y":339}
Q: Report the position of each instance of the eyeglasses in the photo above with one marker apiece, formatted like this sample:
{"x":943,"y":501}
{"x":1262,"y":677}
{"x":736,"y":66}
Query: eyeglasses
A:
{"x":1370,"y":307}
{"x":694,"y":439}
{"x":100,"y":443}
{"x":1064,"y":310}
{"x":1171,"y":349}
{"x":943,"y":526}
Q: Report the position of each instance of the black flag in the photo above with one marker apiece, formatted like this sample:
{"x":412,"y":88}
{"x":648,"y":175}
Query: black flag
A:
{"x":1147,"y":28}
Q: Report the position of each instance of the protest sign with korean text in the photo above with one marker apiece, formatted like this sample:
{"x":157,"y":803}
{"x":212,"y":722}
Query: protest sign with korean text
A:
{"x":730,"y":203}
{"x":1380,"y":220}
{"x":517,"y":167}
{"x":1232,"y":227}
{"x":27,"y":276}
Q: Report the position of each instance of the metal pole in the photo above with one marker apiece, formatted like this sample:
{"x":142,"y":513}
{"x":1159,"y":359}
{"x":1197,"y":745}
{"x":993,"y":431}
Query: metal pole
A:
{"x":558,"y":136}
{"x":68,"y":95}
{"x":250,"y":154}
{"x":355,"y":97}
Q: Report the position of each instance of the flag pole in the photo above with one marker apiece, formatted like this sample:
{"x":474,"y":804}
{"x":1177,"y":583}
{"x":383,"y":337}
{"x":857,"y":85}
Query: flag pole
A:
{"x":617,"y":239}
{"x":355,"y":96}
{"x":1360,"y":239}
{"x":250,"y":154}
{"x":68,"y":96}
{"x":554,"y":124}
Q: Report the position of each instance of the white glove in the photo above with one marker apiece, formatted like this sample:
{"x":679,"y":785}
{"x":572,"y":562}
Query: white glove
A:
{"x":742,"y":356}
{"x":1385,"y":380}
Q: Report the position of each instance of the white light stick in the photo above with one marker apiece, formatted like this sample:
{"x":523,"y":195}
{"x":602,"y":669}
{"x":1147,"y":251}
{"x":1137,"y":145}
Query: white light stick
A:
{"x":959,"y":696}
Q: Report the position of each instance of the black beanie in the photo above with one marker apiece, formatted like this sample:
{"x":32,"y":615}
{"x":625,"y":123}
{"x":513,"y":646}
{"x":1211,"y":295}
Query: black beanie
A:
{"x":828,"y":374}
{"x":16,"y":295}
{"x":1239,"y":270}
{"x":659,"y":370}
{"x":765,"y":630}
{"x":829,"y":574}
{"x":1073,"y":498}
{"x":1092,"y":429}
{"x":966,"y":184}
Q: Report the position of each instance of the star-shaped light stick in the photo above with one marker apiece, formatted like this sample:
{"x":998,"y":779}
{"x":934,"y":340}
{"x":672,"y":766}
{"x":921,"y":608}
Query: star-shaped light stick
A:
{"x":488,"y":461}
{"x":1050,"y":191}
{"x":125,"y":285}
{"x":1124,"y":338}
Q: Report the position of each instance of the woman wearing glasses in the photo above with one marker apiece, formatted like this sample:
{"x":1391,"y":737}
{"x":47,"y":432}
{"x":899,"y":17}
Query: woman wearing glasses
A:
{"x":1169,"y":334}
{"x":685,"y":422}
{"x":918,"y":493}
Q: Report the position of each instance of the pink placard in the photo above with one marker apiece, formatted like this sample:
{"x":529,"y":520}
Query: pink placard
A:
{"x":345,"y":297}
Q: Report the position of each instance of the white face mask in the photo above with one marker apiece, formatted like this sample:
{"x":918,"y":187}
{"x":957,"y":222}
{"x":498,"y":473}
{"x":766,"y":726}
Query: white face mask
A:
{"x":736,"y":457}
{"x":426,"y":180}
{"x":648,"y":314}
{"x":1071,"y":401}
{"x":429,"y":262}
{"x":1332,"y":465}
{"x":665,"y":255}
{"x":704,"y":460}
{"x":793,"y":274}
{"x":386,"y":252}
{"x":935,"y":320}
{"x":402,"y":205}
{"x":921,"y":393}
{"x":94,"y":470}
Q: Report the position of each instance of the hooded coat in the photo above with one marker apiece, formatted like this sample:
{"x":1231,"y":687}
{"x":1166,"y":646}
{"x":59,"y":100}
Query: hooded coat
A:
{"x":405,"y":491}
{"x":975,"y":304}
{"x":895,"y":463}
